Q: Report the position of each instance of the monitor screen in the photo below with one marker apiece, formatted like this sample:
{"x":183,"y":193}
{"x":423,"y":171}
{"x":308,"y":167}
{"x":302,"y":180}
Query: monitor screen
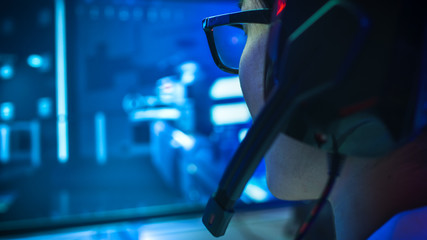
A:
{"x":113,"y":111}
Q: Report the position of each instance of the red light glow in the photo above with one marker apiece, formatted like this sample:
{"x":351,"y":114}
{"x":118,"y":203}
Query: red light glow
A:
{"x":281,"y":4}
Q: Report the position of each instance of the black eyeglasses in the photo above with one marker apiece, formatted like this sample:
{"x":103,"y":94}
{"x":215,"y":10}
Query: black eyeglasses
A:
{"x":227,"y":38}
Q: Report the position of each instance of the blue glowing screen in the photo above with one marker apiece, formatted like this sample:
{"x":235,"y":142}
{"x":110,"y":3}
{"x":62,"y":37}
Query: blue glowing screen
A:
{"x":114,"y":105}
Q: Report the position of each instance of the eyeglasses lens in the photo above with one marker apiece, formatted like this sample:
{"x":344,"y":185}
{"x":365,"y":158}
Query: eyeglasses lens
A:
{"x":230,"y":42}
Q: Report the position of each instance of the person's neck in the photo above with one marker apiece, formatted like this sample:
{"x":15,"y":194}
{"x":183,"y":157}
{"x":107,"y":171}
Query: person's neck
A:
{"x":368,"y":194}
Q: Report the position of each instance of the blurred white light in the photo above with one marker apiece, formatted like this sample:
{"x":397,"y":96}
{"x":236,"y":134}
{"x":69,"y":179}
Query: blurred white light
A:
{"x":7,"y":111}
{"x":159,"y":127}
{"x":186,"y":141}
{"x":153,"y":114}
{"x":145,"y":235}
{"x":35,"y":61}
{"x":189,"y":67}
{"x":188,"y":70}
{"x":242,"y":134}
{"x":234,"y":113}
{"x":170,"y":90}
{"x":225,"y":88}
{"x":188,"y":77}
{"x":62,"y":140}
{"x":6,"y":71}
{"x":174,"y":143}
{"x":256,"y":193}
{"x":167,"y":88}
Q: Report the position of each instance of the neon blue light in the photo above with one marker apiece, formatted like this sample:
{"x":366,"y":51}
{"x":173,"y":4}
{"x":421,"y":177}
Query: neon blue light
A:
{"x":6,"y":71}
{"x":61,"y":81}
{"x":35,"y":143}
{"x":100,"y":138}
{"x":7,"y":111}
{"x":35,"y":61}
{"x":62,"y":141}
{"x":225,"y":88}
{"x":4,"y":143}
{"x":235,"y":113}
{"x":44,"y":107}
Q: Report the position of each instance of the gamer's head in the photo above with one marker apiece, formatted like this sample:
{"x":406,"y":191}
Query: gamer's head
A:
{"x":383,"y":186}
{"x":295,"y":171}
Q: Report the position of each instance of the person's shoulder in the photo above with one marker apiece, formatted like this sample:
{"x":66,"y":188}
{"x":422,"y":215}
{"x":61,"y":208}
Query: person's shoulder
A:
{"x":408,"y":225}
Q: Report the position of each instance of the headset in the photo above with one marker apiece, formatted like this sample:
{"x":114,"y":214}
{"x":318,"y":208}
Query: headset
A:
{"x":346,"y":76}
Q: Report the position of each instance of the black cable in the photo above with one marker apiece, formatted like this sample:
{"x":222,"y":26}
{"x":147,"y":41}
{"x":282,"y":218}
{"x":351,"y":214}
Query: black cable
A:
{"x":335,"y":160}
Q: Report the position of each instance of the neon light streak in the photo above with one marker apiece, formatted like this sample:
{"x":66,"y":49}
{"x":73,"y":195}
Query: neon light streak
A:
{"x":35,"y":143}
{"x":61,"y":81}
{"x":235,"y":113}
{"x":5,"y":144}
{"x":62,"y":141}
{"x":100,"y":138}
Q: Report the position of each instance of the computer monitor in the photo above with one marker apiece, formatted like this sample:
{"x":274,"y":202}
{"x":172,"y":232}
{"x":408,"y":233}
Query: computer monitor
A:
{"x":113,"y":111}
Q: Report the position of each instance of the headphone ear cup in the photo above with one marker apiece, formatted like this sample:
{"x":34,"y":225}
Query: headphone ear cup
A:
{"x":362,"y":135}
